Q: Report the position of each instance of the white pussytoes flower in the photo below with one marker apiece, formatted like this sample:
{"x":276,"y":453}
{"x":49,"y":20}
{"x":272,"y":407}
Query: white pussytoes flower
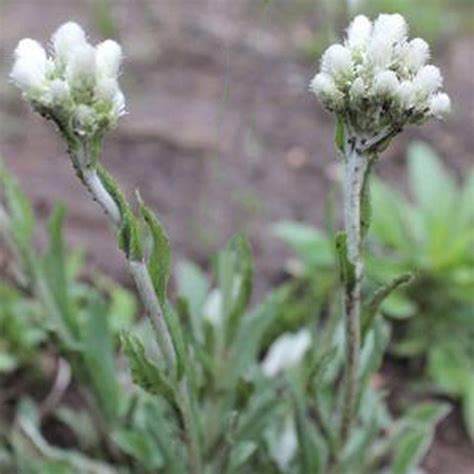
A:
{"x":440,"y":105}
{"x":417,"y":54}
{"x":286,"y":352}
{"x":337,"y":62}
{"x":325,"y":88}
{"x":358,"y":33}
{"x":77,"y":86}
{"x":378,"y":81}
{"x":428,"y":80}
{"x":66,"y":39}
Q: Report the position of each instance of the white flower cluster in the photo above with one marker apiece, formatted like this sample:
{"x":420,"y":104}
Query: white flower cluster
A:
{"x":378,"y":79}
{"x":77,"y":85}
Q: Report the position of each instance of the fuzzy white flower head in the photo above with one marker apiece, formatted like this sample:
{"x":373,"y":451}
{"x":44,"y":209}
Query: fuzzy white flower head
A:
{"x":378,"y":81}
{"x":77,"y":86}
{"x":358,"y":33}
{"x":417,"y":55}
{"x":109,"y":58}
{"x":286,"y":352}
{"x":428,"y":80}
{"x":66,"y":38}
{"x":337,"y":62}
{"x":440,"y":105}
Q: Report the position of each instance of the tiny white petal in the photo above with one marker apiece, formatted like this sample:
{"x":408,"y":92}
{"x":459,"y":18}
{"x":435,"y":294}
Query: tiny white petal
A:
{"x":119,"y":104}
{"x":286,"y":352}
{"x":82,"y":64}
{"x":359,"y":32}
{"x":428,"y":80}
{"x":59,"y":91}
{"x":68,"y":37}
{"x":109,"y":57}
{"x":357,"y":90}
{"x":386,"y":83}
{"x":391,"y":27}
{"x":417,"y":54}
{"x":406,"y":94}
{"x":27,"y":75}
{"x":106,"y":89}
{"x":440,"y":105}
{"x":336,"y":61}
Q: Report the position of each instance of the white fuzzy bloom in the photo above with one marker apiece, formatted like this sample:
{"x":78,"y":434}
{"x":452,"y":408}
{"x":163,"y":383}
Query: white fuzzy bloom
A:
{"x":417,"y":54}
{"x":377,"y":62}
{"x":81,"y":65}
{"x":337,"y":61}
{"x":358,"y":33}
{"x":386,"y":83}
{"x":428,"y":80}
{"x":406,"y":94}
{"x":286,"y":352}
{"x":380,"y":52}
{"x":109,"y":57}
{"x":106,"y":89}
{"x":391,"y":27}
{"x":66,"y":39}
{"x":440,"y":105}
{"x":59,"y":90}
{"x":325,"y":88}
{"x":28,"y":76}
{"x":357,"y":90}
{"x":31,"y":50}
{"x":286,"y":445}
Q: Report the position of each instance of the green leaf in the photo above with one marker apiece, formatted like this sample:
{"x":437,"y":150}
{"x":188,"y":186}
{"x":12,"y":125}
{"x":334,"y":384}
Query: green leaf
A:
{"x":145,"y":373}
{"x":99,"y":358}
{"x":410,"y":451}
{"x":140,"y":446}
{"x":310,"y":244}
{"x":177,"y":336}
{"x":193,"y":286}
{"x":159,"y":261}
{"x":432,"y":186}
{"x":372,"y":308}
{"x":346,"y":268}
{"x":128,"y":234}
{"x":242,"y":274}
{"x":339,"y":136}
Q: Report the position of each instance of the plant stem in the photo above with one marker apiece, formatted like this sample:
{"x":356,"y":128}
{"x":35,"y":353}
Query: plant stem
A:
{"x":355,"y":171}
{"x":154,"y":310}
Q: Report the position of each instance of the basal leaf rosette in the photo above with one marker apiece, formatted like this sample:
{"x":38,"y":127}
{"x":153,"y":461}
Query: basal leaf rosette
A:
{"x":76,"y":84}
{"x":378,"y":81}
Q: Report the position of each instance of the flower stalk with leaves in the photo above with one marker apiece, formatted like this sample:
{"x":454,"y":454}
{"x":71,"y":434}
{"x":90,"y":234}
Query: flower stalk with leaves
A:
{"x":376,"y":83}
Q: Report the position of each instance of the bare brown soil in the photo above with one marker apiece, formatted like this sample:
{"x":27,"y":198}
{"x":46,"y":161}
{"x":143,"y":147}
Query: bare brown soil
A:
{"x":222,"y":135}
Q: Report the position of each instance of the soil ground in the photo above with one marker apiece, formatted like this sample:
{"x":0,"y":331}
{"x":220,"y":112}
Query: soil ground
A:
{"x":222,"y":135}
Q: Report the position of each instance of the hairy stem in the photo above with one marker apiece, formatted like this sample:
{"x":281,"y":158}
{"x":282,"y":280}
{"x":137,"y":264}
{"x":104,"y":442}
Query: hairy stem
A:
{"x":355,"y":171}
{"x":154,"y":310}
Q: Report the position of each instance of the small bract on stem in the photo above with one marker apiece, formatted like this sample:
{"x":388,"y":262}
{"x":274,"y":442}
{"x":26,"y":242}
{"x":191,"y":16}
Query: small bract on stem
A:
{"x":376,"y":82}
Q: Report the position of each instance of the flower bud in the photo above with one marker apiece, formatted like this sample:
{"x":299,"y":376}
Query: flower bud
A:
{"x":386,"y":83}
{"x":81,"y":65}
{"x":27,"y":75}
{"x":325,"y":88}
{"x":406,"y":95}
{"x":31,"y":50}
{"x":106,"y":89}
{"x":440,"y":105}
{"x":358,"y":33}
{"x":428,"y":80}
{"x":59,"y":91}
{"x":357,"y":90}
{"x":417,"y":55}
{"x":337,"y":62}
{"x":109,"y":57}
{"x":393,"y":28}
{"x":67,"y":38}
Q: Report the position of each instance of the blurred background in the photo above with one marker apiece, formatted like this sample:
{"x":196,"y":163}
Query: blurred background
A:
{"x":222,"y":134}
